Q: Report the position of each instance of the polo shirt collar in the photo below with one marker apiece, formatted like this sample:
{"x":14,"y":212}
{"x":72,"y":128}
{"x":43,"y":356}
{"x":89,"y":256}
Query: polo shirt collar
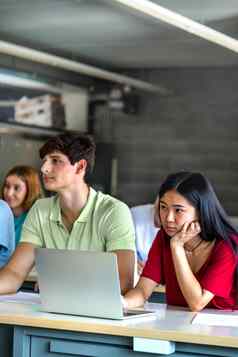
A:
{"x":55,"y":214}
{"x":86,"y":211}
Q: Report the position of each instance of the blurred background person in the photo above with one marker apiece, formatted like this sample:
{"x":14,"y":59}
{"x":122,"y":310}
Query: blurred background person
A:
{"x":146,"y":222}
{"x":7,"y":235}
{"x":21,"y":188}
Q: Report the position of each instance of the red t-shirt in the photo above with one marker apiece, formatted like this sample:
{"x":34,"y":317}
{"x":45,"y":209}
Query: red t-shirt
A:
{"x":217,"y":275}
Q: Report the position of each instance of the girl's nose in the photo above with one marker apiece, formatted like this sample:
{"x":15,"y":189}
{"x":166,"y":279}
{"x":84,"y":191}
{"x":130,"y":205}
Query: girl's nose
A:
{"x":170,"y":216}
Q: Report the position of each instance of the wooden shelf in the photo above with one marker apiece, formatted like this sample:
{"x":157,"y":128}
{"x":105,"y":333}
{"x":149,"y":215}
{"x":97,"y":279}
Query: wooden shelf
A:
{"x":10,"y":127}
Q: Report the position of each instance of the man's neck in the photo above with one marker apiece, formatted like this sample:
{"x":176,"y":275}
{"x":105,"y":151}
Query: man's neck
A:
{"x":73,"y":201}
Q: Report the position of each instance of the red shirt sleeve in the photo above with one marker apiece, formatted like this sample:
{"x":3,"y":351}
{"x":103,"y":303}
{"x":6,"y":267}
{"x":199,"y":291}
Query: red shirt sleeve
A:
{"x":154,"y":268}
{"x":220,"y":270}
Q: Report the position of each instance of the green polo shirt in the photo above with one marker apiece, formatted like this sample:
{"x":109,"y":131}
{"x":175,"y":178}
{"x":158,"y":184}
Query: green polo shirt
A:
{"x":104,"y":224}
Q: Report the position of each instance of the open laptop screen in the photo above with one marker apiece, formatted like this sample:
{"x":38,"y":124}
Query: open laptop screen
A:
{"x":80,"y":283}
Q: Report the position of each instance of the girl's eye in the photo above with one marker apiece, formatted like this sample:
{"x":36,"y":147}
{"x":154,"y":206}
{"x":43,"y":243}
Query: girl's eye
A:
{"x":179,"y":210}
{"x":162,"y":207}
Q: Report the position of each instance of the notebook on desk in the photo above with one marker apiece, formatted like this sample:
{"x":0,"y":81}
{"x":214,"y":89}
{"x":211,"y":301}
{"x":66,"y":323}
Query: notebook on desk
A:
{"x":81,"y":283}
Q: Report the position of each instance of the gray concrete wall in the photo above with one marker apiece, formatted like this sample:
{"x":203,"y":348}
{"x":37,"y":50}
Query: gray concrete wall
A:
{"x":195,"y":128}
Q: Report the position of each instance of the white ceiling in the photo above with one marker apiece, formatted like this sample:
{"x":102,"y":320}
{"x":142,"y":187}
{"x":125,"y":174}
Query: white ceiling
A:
{"x":111,"y":36}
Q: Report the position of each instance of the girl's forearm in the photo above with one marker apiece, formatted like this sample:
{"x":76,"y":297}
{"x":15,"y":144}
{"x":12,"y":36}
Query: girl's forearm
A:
{"x":189,"y":285}
{"x":134,"y":298}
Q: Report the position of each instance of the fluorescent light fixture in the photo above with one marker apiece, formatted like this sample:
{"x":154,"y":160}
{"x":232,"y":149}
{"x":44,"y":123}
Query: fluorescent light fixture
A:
{"x":77,"y":67}
{"x":13,"y":80}
{"x":182,"y":22}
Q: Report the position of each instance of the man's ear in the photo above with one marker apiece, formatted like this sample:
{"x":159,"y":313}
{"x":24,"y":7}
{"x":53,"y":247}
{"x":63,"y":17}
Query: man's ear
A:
{"x":81,"y":166}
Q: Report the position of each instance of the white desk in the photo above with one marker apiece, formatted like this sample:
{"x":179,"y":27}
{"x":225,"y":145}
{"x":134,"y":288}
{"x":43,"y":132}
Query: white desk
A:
{"x":36,"y":331}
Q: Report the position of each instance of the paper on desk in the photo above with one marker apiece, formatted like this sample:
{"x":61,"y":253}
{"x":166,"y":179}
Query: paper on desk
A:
{"x":21,"y":297}
{"x":216,"y":319}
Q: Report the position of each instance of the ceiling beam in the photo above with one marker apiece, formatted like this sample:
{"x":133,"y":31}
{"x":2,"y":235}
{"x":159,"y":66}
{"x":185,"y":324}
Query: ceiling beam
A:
{"x":77,"y":67}
{"x":158,"y":12}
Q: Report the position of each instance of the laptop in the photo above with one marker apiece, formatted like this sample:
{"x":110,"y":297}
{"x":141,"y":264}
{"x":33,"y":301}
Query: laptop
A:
{"x":81,"y":283}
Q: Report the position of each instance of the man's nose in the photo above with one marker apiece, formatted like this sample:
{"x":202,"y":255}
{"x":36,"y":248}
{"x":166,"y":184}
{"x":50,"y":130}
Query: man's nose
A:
{"x":45,"y":168}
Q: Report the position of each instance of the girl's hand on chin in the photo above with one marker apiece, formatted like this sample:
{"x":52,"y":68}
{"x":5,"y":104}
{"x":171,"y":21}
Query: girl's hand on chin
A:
{"x":188,"y":231}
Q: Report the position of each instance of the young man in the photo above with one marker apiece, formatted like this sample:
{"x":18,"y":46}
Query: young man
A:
{"x":77,"y":217}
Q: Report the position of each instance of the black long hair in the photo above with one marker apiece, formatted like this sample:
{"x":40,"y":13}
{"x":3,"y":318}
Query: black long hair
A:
{"x":197,"y":189}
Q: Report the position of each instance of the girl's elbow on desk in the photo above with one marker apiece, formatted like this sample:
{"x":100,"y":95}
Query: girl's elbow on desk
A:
{"x":199,"y":304}
{"x":196,"y":307}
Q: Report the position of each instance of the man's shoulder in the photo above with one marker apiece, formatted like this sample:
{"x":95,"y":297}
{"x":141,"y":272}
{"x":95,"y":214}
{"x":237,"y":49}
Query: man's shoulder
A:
{"x":44,"y":205}
{"x":113,"y":220}
{"x":108,"y":202}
